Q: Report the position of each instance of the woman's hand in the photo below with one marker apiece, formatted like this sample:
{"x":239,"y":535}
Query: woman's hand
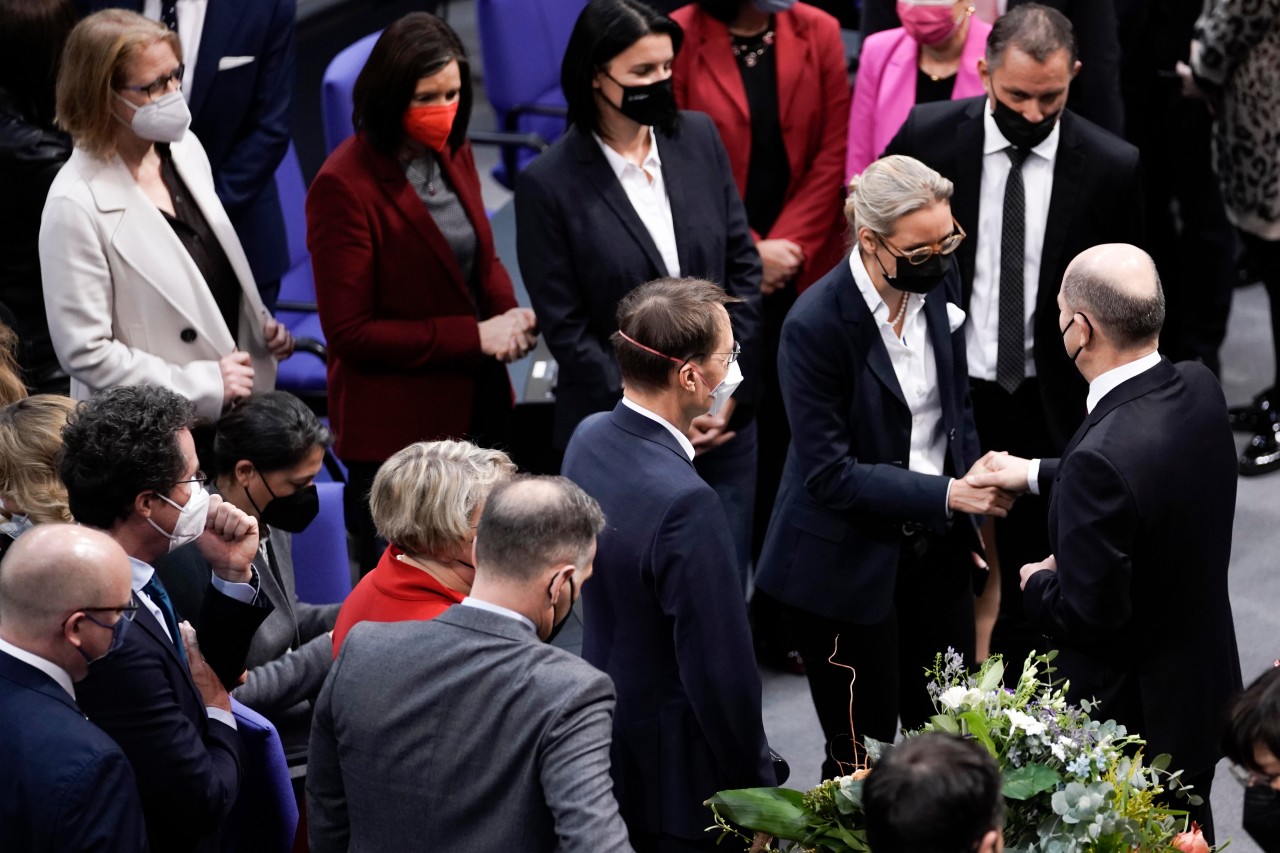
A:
{"x":509,"y":336}
{"x":279,"y":339}
{"x":782,"y":261}
{"x":237,"y":376}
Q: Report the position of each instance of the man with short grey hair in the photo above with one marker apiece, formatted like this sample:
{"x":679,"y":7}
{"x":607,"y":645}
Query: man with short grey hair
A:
{"x":468,"y":732}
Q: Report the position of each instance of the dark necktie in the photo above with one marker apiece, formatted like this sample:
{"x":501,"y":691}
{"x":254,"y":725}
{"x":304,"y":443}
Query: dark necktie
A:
{"x":1011,"y":350}
{"x":169,"y":14}
{"x":155,"y":591}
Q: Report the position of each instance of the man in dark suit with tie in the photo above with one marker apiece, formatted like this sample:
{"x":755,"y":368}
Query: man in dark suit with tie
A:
{"x":1035,"y":185}
{"x":240,"y":62}
{"x":130,"y":468}
{"x":66,"y":786}
{"x":665,"y":618}
{"x":1140,"y":518}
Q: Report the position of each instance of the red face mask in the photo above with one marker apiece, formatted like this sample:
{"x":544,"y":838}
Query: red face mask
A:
{"x":431,"y":124}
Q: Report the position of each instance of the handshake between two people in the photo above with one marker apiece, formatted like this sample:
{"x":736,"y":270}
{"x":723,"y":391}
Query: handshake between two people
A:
{"x":991,"y":485}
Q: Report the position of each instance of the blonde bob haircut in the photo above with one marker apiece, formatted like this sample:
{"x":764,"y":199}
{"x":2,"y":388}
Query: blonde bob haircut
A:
{"x":30,"y":438}
{"x":889,"y":189}
{"x":94,"y":63}
{"x":424,"y":496}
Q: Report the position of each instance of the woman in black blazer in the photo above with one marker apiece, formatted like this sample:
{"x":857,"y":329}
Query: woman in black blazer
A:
{"x":636,"y":191}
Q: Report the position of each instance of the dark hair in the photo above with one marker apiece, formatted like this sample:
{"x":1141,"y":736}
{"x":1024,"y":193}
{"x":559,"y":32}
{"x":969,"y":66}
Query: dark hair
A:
{"x":1254,"y":718}
{"x":32,"y":33}
{"x":1034,"y":29}
{"x":274,"y":430}
{"x":676,"y":317}
{"x":416,"y":46}
{"x":121,"y":442}
{"x":605,"y":29}
{"x":1130,"y":320}
{"x":532,"y":522}
{"x":932,"y":793}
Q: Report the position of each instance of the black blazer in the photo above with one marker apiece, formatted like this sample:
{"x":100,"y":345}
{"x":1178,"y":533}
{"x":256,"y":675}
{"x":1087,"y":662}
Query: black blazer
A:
{"x":1140,"y":520}
{"x":187,"y":765}
{"x":663,"y":617}
{"x":836,"y":533}
{"x":1097,"y":198}
{"x":66,"y":786}
{"x":582,"y":247}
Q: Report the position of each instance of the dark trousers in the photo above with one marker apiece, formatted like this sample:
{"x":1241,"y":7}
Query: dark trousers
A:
{"x":1016,"y":423}
{"x":932,"y":611}
{"x":1266,"y":259}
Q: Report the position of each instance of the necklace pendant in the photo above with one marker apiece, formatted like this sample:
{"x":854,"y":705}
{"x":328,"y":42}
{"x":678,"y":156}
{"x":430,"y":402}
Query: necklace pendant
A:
{"x":750,"y":60}
{"x":431,"y":188}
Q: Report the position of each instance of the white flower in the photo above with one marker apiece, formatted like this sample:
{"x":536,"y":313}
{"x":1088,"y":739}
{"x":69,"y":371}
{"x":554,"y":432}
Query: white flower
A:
{"x":1058,"y":751}
{"x":1025,"y":722}
{"x":954,"y":697}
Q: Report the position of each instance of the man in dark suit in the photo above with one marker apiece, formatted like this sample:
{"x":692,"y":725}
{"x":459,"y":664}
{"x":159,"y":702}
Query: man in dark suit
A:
{"x":665,"y":619}
{"x":130,"y":468}
{"x":66,"y":786}
{"x":240,"y":61}
{"x":468,"y":731}
{"x":1074,"y":186}
{"x":1140,"y":519}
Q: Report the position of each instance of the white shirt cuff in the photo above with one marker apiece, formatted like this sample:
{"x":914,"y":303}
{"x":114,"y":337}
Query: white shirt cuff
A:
{"x":219,"y":714}
{"x":1033,"y":476}
{"x":947,"y":505}
{"x":244,"y":592}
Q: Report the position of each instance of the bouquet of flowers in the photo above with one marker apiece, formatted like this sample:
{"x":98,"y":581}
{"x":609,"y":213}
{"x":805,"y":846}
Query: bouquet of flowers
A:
{"x":1071,"y":783}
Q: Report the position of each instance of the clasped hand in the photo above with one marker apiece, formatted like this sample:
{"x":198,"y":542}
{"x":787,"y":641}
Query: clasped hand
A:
{"x":509,"y":336}
{"x":986,"y":489}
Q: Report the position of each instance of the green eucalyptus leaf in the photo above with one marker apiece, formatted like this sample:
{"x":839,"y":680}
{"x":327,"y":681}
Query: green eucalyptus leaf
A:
{"x":1161,"y":761}
{"x":1025,"y":782}
{"x":875,"y":748}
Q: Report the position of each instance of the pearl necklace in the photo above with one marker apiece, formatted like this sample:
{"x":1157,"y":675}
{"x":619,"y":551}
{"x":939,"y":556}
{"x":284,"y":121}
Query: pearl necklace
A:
{"x":902,"y":311}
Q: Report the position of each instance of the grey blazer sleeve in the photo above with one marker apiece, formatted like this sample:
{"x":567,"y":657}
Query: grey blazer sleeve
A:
{"x":574,"y":768}
{"x":328,"y":824}
{"x":289,"y":679}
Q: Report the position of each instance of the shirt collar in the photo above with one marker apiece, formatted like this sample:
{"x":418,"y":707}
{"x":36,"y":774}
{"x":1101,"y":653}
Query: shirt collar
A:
{"x":652,"y":161}
{"x":879,"y":310}
{"x":481,"y":604}
{"x":1104,"y":384}
{"x":142,"y":573}
{"x":48,"y":667}
{"x":993,"y":140}
{"x":685,"y":444}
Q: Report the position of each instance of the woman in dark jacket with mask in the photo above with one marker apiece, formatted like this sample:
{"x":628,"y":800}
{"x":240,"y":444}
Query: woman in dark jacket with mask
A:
{"x":636,"y":191}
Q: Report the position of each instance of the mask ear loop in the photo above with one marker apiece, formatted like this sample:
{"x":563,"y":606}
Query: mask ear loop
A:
{"x":634,"y":342}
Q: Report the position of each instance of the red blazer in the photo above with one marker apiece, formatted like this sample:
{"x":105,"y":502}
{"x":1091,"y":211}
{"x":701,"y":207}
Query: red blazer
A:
{"x":392,"y":592}
{"x":813,"y":101}
{"x":398,"y":317}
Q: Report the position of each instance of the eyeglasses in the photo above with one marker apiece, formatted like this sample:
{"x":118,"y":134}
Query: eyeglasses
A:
{"x":918,"y":256}
{"x":733,"y":355}
{"x":1250,"y":778}
{"x":160,"y":85}
{"x":198,"y":478}
{"x":127,"y":612}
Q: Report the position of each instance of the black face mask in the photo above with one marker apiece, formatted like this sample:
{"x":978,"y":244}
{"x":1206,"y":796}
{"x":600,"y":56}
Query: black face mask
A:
{"x":1068,"y":326}
{"x":654,"y":103}
{"x":1019,"y":131}
{"x":558,"y":626}
{"x":291,"y":513}
{"x":917,"y":278}
{"x":1261,"y":818}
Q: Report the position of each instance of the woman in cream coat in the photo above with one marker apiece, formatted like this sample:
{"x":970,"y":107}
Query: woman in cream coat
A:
{"x":144,"y":277}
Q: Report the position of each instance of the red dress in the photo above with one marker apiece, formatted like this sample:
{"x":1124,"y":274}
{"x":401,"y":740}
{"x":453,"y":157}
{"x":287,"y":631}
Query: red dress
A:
{"x":393,"y":592}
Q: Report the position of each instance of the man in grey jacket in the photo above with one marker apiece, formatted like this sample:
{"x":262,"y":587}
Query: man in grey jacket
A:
{"x":468,"y":732}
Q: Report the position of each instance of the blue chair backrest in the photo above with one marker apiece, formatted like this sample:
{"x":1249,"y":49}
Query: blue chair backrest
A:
{"x":337,"y":86}
{"x":321,"y":568}
{"x":265,"y":816}
{"x":523,"y":45}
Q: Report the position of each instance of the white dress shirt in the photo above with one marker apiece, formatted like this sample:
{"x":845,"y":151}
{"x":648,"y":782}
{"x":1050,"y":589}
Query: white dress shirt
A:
{"x":48,"y":667}
{"x":685,"y":444}
{"x":190,"y":29}
{"x":480,"y":604}
{"x":983,"y":337}
{"x":647,"y":192}
{"x":916,"y":369}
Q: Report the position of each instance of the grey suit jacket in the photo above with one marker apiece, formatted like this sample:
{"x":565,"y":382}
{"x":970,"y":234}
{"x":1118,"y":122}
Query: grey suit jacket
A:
{"x":464,"y":732}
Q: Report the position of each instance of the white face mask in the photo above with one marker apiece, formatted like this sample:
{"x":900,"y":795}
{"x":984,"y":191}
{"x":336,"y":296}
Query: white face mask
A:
{"x":191,"y":518}
{"x":722,"y":392}
{"x":165,"y":119}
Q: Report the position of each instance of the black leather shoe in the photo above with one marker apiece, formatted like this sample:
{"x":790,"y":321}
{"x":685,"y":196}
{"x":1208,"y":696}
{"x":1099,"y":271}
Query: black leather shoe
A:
{"x":1262,"y":456}
{"x":1251,"y":417}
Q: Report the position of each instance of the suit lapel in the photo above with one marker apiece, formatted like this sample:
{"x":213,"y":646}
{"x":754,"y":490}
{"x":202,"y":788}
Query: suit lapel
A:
{"x":1068,"y":175}
{"x":935,"y":314}
{"x":792,"y":58}
{"x":145,"y":620}
{"x":854,"y":311}
{"x":219,"y":27}
{"x":674,"y":179}
{"x":601,"y":177}
{"x":645,"y":428}
{"x":719,"y":64}
{"x":968,"y":183}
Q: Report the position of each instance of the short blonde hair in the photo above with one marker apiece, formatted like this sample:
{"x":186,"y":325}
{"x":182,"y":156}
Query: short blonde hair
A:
{"x":94,"y":60}
{"x":424,"y":496}
{"x":889,"y":189}
{"x":12,"y":388}
{"x":30,"y":438}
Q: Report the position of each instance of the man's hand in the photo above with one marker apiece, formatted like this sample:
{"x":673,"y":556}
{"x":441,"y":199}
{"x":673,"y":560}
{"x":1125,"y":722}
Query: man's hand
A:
{"x":782,"y":260}
{"x":279,"y":339}
{"x":1049,"y":564}
{"x":974,"y":500}
{"x":999,"y":470}
{"x":211,"y":689}
{"x":230,"y":541}
{"x":708,"y":433}
{"x":237,"y":376}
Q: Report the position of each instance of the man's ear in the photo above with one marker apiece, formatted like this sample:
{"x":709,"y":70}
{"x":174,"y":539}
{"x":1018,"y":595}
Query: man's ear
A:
{"x":143,"y":503}
{"x":992,"y":842}
{"x":558,"y":582}
{"x":1075,"y":69}
{"x":984,"y":74}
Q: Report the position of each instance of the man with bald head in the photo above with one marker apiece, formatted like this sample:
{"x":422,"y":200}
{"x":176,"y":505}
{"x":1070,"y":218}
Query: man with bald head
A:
{"x":1134,"y":591}
{"x":65,"y":602}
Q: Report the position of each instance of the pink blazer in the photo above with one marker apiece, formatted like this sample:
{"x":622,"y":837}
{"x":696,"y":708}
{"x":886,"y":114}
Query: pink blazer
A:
{"x":885,"y":90}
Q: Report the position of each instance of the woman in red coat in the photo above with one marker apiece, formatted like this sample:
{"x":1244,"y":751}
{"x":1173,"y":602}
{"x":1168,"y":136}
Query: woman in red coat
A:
{"x":418,"y":311}
{"x":426,"y":502}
